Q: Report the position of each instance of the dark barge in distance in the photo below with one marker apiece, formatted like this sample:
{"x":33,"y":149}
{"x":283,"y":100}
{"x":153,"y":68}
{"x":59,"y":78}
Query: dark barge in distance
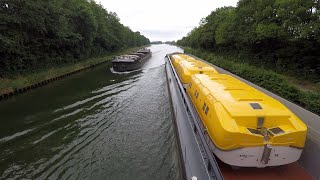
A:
{"x":132,"y":61}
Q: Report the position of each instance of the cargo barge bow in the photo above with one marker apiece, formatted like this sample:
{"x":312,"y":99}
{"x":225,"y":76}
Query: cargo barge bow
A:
{"x":131,"y":62}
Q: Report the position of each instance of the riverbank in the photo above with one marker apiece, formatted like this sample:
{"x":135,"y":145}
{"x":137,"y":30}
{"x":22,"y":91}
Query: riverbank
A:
{"x":272,"y":81}
{"x":10,"y":86}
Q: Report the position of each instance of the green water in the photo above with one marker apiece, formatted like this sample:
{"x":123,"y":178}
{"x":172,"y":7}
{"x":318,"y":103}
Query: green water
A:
{"x":93,"y":125}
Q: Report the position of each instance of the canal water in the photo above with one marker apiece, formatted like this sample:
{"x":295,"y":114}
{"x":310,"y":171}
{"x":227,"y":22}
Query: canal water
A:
{"x":93,"y":125}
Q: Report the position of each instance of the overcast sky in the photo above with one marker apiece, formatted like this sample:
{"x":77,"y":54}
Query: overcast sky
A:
{"x":163,"y":20}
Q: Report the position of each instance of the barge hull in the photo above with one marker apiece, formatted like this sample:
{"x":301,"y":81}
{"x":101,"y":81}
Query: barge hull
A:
{"x":120,"y":66}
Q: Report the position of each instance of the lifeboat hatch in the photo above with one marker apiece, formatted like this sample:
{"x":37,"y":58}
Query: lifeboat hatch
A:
{"x":255,"y":106}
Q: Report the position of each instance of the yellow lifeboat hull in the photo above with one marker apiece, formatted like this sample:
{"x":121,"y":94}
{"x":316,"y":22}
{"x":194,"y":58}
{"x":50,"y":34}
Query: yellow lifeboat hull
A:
{"x":245,"y":127}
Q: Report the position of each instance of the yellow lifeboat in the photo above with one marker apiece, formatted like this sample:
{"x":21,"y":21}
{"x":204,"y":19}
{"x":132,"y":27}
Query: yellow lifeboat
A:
{"x":247,"y":128}
{"x":186,"y":66}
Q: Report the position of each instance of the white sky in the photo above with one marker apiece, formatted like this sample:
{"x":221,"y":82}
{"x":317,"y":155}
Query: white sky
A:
{"x":163,"y":20}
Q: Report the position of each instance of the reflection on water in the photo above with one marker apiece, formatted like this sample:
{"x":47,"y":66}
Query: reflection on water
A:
{"x":95,"y":124}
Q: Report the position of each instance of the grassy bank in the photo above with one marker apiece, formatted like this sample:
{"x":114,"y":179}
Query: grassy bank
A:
{"x":267,"y":79}
{"x":10,"y":84}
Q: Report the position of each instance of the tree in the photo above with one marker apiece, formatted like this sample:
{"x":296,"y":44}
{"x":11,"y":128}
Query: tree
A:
{"x":44,"y":33}
{"x":280,"y":34}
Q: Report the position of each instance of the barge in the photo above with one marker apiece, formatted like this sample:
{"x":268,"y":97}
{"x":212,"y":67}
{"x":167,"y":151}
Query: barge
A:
{"x":271,"y":138}
{"x":130,"y":62}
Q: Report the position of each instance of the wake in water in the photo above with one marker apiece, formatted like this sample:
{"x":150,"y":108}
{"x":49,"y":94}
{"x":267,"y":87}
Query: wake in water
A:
{"x":125,"y":72}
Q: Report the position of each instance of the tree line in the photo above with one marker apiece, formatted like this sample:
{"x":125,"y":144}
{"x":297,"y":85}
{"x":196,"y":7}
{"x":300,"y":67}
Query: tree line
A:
{"x":36,"y":34}
{"x":283,"y":35}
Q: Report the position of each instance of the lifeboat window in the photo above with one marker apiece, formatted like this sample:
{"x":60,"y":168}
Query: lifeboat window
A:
{"x":254,"y":131}
{"x":207,"y":109}
{"x":204,"y":106}
{"x":275,"y":131}
{"x":196,"y":94}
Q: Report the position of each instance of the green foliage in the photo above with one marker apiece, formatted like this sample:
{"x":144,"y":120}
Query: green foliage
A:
{"x":267,"y":31}
{"x":41,"y":34}
{"x":282,"y":35}
{"x":267,"y":79}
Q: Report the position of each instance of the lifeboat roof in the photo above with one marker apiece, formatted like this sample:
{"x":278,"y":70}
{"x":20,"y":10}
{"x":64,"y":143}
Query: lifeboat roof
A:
{"x":238,"y":98}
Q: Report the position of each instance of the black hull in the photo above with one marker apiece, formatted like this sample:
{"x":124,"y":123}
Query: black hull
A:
{"x":130,"y":66}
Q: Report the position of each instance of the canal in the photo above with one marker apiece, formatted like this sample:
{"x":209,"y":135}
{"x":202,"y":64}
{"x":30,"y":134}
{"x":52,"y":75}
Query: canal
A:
{"x":93,"y":125}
